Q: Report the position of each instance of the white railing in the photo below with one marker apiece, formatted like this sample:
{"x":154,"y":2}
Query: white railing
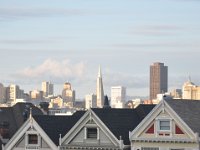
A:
{"x":32,"y":147}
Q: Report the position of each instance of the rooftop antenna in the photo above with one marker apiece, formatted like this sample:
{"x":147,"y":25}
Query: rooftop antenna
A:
{"x":31,"y":118}
{"x":60,"y":139}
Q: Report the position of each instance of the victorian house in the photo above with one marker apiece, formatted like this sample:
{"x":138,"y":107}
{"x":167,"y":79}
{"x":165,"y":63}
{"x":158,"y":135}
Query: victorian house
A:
{"x":100,"y":128}
{"x":171,"y":125}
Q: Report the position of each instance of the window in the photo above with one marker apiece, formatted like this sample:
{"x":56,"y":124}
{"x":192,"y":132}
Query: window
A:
{"x":149,"y":148}
{"x":164,"y":125}
{"x":32,"y":139}
{"x":92,"y":133}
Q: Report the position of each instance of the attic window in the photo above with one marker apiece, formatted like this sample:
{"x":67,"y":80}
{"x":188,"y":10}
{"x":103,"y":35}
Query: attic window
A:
{"x":92,"y":133}
{"x":164,"y":125}
{"x":32,"y":139}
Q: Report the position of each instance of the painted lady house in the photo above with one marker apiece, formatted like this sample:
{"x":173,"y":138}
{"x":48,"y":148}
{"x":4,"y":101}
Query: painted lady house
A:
{"x":171,"y":125}
{"x":103,"y":129}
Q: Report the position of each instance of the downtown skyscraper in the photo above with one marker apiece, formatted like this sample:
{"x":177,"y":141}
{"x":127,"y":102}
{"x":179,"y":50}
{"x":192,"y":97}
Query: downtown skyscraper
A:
{"x":99,"y":90}
{"x":47,"y":88}
{"x":158,"y":79}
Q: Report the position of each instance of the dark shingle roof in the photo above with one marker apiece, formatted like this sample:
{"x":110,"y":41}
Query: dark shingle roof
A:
{"x":55,"y":125}
{"x":14,"y":115}
{"x":121,"y":121}
{"x":188,"y":110}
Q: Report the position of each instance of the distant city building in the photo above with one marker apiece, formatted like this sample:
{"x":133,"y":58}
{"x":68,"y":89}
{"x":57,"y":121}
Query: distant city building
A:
{"x":61,"y":112}
{"x":133,"y":103}
{"x":118,"y":96}
{"x":14,"y":92}
{"x":159,"y":97}
{"x":79,"y":105}
{"x":191,"y":91}
{"x":2,"y":93}
{"x":99,"y":90}
{"x":21,"y":100}
{"x":68,"y":94}
{"x":47,"y":88}
{"x":90,"y":101}
{"x":56,"y":102}
{"x":158,"y":79}
{"x":36,"y":95}
{"x":176,"y":93}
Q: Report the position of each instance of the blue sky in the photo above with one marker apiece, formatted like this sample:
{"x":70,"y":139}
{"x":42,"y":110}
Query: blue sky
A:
{"x":66,"y":40}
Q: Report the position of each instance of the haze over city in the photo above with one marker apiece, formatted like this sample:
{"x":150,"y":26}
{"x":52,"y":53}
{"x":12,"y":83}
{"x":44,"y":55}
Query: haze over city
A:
{"x":67,"y":40}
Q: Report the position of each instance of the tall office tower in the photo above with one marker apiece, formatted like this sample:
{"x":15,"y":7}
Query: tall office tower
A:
{"x":90,"y":101}
{"x":14,"y":93}
{"x":47,"y":88}
{"x":68,"y":94}
{"x":158,"y":79}
{"x":100,"y":93}
{"x":118,"y":96}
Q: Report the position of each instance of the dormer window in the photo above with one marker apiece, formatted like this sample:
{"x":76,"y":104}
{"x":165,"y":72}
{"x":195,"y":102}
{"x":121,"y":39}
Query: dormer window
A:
{"x":91,"y":133}
{"x":32,"y":139}
{"x":164,"y":125}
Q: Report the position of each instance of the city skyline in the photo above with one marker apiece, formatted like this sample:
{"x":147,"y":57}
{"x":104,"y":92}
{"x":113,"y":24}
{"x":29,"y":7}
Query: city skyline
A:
{"x":158,"y":79}
{"x":64,"y":41}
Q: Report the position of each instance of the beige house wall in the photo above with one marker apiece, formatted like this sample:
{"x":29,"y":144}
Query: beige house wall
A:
{"x":165,"y":146}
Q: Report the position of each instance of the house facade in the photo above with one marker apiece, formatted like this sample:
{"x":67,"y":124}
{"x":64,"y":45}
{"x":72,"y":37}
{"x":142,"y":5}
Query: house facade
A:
{"x":95,"y":129}
{"x":171,"y":125}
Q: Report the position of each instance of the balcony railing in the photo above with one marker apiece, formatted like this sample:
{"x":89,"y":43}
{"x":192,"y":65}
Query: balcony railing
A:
{"x":32,"y":147}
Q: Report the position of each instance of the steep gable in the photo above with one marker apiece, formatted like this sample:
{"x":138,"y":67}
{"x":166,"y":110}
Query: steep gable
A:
{"x":90,"y":132}
{"x":163,"y":124}
{"x":56,"y":125}
{"x":121,"y":121}
{"x":15,"y":116}
{"x":28,"y":136}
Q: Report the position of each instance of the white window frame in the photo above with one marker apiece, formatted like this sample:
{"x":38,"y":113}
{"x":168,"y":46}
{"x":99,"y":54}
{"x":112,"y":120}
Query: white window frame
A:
{"x":158,"y":130}
{"x":96,"y":133}
{"x":28,"y":145}
{"x":164,"y":120}
{"x":91,"y":126}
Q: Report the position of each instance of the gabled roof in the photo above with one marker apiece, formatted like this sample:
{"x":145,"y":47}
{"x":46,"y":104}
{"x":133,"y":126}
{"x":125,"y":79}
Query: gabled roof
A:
{"x":188,"y":110}
{"x":14,"y":116}
{"x":56,"y":125}
{"x":121,"y":121}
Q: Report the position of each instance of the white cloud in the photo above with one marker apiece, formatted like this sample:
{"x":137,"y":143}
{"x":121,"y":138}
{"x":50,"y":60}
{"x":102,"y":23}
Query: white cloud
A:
{"x":55,"y":69}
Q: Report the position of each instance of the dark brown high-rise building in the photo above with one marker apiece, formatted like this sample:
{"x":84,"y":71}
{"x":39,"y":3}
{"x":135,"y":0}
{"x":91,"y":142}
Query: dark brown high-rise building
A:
{"x":158,"y":79}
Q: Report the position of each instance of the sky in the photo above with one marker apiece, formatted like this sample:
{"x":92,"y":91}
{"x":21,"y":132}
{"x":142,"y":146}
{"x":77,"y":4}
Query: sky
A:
{"x":67,"y":40}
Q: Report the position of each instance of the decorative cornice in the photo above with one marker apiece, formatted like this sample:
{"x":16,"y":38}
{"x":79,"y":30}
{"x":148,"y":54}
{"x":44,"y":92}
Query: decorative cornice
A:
{"x":88,"y":147}
{"x":160,"y":140}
